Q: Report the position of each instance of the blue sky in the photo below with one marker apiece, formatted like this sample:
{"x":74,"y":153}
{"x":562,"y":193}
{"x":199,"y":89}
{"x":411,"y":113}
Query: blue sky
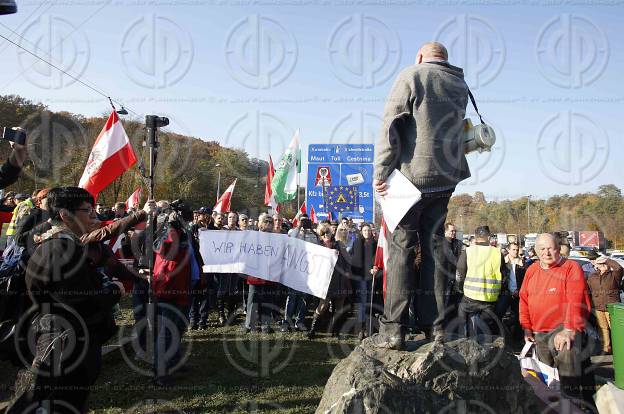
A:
{"x":548,"y":78}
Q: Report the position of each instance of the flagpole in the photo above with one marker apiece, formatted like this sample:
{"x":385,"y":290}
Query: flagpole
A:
{"x":298,"y":197}
{"x":152,"y":123}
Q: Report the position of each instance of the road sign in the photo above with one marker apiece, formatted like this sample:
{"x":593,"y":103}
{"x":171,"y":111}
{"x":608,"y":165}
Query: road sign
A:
{"x":346,"y":164}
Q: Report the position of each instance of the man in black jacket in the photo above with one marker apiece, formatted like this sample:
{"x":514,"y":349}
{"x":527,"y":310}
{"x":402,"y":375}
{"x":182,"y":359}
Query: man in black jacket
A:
{"x":513,"y":275}
{"x":73,"y":308}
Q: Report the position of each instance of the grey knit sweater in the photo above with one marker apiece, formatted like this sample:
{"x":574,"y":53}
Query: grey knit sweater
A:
{"x":421,"y":133}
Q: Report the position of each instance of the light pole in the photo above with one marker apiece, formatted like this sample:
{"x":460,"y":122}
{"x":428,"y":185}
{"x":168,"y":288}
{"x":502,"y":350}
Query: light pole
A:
{"x":528,"y":214}
{"x":461,"y":222}
{"x":218,"y":180}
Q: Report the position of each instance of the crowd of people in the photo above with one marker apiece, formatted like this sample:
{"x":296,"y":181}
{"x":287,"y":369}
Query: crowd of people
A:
{"x":73,"y":260}
{"x":76,"y":260}
{"x":59,"y":233}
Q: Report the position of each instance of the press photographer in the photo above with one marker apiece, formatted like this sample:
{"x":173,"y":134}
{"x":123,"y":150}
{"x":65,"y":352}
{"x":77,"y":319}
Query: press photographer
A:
{"x":174,"y":269}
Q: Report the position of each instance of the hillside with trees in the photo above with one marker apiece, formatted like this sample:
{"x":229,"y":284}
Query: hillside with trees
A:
{"x":59,"y":145}
{"x":602,"y":210}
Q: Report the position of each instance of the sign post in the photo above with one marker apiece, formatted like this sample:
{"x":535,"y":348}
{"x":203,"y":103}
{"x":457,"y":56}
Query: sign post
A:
{"x":341,"y":164}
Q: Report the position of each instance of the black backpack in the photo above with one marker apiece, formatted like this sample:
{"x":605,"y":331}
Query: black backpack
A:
{"x":14,"y":305}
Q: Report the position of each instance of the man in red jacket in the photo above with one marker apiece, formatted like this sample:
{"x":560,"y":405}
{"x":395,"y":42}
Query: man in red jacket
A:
{"x":554,"y":307}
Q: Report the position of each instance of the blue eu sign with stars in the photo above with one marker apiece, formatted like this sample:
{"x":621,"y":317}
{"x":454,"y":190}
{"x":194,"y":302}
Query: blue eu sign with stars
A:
{"x":341,"y":198}
{"x":346,"y":166}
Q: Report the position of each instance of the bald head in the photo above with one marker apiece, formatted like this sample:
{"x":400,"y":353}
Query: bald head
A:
{"x":548,"y":249}
{"x":431,"y":51}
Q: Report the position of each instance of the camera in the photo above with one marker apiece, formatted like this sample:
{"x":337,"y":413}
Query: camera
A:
{"x":306,"y":224}
{"x":182,"y":209}
{"x":14,"y":135}
{"x":8,"y":7}
{"x":155,"y":121}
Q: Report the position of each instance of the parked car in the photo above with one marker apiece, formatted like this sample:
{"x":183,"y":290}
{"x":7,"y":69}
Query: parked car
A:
{"x":586,"y":265}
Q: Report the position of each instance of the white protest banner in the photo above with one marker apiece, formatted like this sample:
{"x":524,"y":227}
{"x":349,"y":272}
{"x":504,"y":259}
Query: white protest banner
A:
{"x":300,"y":265}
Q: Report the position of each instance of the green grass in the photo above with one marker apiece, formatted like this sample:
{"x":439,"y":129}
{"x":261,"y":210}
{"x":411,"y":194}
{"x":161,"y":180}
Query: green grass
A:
{"x":228,"y":372}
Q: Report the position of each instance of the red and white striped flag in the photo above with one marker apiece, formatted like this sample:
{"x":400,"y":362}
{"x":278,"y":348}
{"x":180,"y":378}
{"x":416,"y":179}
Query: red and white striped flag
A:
{"x":134,"y":199}
{"x":269,"y":198}
{"x":302,"y":210}
{"x":225,"y":201}
{"x":111,"y":156}
{"x":381,"y":255}
{"x":313,"y":215}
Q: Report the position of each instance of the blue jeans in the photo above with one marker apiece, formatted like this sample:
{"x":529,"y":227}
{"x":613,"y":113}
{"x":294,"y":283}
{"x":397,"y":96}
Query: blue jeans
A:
{"x":296,"y":307}
{"x":200,"y":305}
{"x":362,"y":289}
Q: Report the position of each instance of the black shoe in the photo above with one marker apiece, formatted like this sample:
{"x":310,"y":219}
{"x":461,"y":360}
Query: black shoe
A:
{"x":388,"y":342}
{"x":285,"y":327}
{"x":193,"y":327}
{"x":203,"y":327}
{"x":301,"y":327}
{"x":164,"y":382}
{"x":222,"y":320}
{"x":267,"y":330}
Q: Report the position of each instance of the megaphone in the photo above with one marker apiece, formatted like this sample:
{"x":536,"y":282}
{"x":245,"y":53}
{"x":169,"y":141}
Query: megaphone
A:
{"x":8,"y":7}
{"x":478,"y":138}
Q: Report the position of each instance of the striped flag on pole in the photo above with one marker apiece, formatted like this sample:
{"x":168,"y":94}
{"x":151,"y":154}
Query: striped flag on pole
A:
{"x":111,"y":156}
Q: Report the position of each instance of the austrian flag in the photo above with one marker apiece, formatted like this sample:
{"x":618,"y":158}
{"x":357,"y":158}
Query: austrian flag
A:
{"x":111,"y":156}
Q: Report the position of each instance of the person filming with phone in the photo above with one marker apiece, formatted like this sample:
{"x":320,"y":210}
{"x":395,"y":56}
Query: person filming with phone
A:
{"x":10,"y":170}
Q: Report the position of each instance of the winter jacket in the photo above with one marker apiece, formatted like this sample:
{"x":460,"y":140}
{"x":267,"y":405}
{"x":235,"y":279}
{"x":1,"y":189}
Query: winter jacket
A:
{"x":605,"y":288}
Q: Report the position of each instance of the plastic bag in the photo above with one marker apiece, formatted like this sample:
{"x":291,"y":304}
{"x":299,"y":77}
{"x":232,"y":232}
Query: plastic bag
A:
{"x":533,"y":366}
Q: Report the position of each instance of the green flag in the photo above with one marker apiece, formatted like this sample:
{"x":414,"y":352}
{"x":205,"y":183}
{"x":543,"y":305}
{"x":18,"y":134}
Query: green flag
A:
{"x":284,"y":183}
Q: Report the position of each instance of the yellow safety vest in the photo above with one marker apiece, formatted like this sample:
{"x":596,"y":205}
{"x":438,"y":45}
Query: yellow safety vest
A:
{"x":483,"y":279}
{"x":21,"y":209}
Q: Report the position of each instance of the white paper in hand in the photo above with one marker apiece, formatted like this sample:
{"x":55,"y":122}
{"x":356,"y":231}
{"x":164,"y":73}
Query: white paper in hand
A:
{"x":402,"y":195}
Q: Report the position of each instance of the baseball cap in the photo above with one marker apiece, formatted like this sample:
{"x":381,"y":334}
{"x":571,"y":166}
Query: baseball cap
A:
{"x":205,"y":210}
{"x":601,"y":260}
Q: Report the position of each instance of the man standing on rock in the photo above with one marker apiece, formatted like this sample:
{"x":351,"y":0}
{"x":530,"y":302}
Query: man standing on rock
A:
{"x":422,"y":137}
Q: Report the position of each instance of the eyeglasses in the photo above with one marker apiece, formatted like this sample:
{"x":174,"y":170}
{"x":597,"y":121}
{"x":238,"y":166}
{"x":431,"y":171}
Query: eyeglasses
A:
{"x":243,"y":219}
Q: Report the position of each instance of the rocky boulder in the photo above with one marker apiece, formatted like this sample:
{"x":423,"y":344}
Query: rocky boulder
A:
{"x":462,"y":375}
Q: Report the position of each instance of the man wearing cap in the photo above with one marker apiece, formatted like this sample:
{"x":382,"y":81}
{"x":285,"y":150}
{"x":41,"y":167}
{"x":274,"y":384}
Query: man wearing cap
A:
{"x":422,"y":137}
{"x":605,"y":284}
